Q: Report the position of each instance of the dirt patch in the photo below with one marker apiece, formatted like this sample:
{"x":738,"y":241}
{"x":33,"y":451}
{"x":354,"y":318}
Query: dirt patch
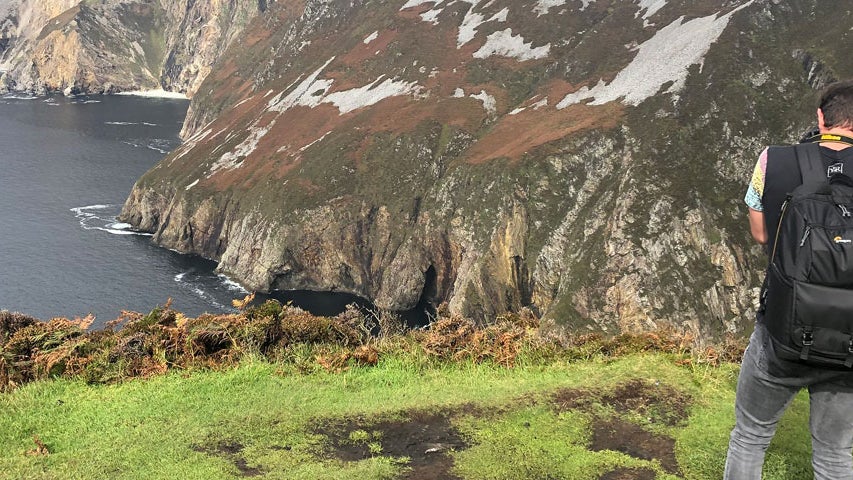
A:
{"x":513,"y":136}
{"x":425,"y":437}
{"x":630,"y":474}
{"x":621,"y":436}
{"x":657,"y":402}
{"x":230,"y":450}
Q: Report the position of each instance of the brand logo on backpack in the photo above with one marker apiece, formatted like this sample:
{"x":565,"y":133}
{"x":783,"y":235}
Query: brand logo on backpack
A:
{"x":842,"y":240}
{"x":835,"y":169}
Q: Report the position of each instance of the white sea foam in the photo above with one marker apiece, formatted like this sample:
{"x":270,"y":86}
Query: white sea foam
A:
{"x":188,"y":281}
{"x":231,"y":284}
{"x":103,"y":218}
{"x":156,"y":94}
{"x":19,"y":96}
{"x":666,"y":57}
{"x":157,"y":144}
{"x":131,"y":123}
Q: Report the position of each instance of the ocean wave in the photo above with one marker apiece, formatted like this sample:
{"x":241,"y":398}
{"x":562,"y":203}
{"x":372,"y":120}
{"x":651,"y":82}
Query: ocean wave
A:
{"x":103,"y":217}
{"x":132,"y":123}
{"x":231,"y":284}
{"x":19,"y":96}
{"x":190,"y":281}
{"x":157,"y":144}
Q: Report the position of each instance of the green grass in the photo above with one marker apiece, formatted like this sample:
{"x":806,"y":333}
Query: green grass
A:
{"x":175,"y":426}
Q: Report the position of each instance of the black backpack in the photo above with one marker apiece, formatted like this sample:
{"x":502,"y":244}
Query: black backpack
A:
{"x":808,"y":298}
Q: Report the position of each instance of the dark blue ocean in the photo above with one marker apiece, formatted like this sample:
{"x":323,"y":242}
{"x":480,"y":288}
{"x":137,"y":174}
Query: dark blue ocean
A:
{"x":66,"y":167}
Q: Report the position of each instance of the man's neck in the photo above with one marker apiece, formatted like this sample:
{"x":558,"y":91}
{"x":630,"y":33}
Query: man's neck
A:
{"x":844,"y":132}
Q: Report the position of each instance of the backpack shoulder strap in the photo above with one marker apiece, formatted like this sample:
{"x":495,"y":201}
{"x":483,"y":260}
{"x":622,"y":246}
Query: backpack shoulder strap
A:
{"x":811,"y":163}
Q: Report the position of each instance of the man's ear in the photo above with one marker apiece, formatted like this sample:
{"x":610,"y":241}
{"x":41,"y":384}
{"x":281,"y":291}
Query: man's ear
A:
{"x":821,"y":124}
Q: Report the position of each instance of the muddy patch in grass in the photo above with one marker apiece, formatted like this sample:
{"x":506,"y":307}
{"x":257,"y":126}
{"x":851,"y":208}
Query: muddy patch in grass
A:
{"x":230,"y":450}
{"x":655,"y":402}
{"x":630,"y":474}
{"x":425,"y":437}
{"x":658,"y":402}
{"x":621,"y":436}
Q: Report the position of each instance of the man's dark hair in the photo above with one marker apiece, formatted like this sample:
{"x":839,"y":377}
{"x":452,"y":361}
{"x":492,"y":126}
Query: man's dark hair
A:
{"x":836,"y":103}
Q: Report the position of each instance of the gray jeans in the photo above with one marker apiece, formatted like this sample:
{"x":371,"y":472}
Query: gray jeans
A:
{"x":765,"y":388}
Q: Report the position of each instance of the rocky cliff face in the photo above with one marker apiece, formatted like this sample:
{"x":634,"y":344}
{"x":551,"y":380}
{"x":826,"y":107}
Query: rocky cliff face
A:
{"x":109,"y":46}
{"x":586,"y":159}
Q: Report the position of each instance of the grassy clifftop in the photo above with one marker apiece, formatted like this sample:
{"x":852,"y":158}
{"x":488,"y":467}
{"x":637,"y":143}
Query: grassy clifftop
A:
{"x":273,"y":392}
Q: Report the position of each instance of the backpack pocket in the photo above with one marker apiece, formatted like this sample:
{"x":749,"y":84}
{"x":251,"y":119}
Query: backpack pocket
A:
{"x":829,"y":260}
{"x":822,"y":326}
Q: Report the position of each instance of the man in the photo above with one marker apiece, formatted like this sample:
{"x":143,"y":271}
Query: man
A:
{"x":768,"y":383}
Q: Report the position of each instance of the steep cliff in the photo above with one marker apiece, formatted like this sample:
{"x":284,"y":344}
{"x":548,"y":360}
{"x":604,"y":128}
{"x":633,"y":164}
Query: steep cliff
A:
{"x":115,"y":45}
{"x":586,"y":159}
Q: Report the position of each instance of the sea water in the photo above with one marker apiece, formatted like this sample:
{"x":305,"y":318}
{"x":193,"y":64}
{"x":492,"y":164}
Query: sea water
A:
{"x":66,"y":167}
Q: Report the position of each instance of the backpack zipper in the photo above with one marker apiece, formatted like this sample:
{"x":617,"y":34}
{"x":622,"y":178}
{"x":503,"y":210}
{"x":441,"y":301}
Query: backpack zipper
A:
{"x":779,"y":225}
{"x":806,"y":233}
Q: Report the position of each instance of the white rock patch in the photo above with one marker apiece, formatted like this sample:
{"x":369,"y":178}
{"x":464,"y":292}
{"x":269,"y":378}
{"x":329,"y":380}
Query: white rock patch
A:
{"x":313,"y":91}
{"x":304,"y":93}
{"x":542,"y":6}
{"x":306,"y":147}
{"x":651,"y":7}
{"x":469,"y":26}
{"x":373,"y":36}
{"x":231,"y":160}
{"x":534,"y":106}
{"x":473,"y":21}
{"x":191,"y":143}
{"x":191,"y":185}
{"x":489,"y":102}
{"x":431,"y":16}
{"x":540,"y":104}
{"x":505,"y":44}
{"x":661,"y":59}
{"x":500,"y":16}
{"x":349,"y":100}
{"x":459,"y":93}
{"x":415,"y":3}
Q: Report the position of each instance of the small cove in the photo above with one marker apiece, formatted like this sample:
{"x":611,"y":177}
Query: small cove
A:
{"x":66,"y":167}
